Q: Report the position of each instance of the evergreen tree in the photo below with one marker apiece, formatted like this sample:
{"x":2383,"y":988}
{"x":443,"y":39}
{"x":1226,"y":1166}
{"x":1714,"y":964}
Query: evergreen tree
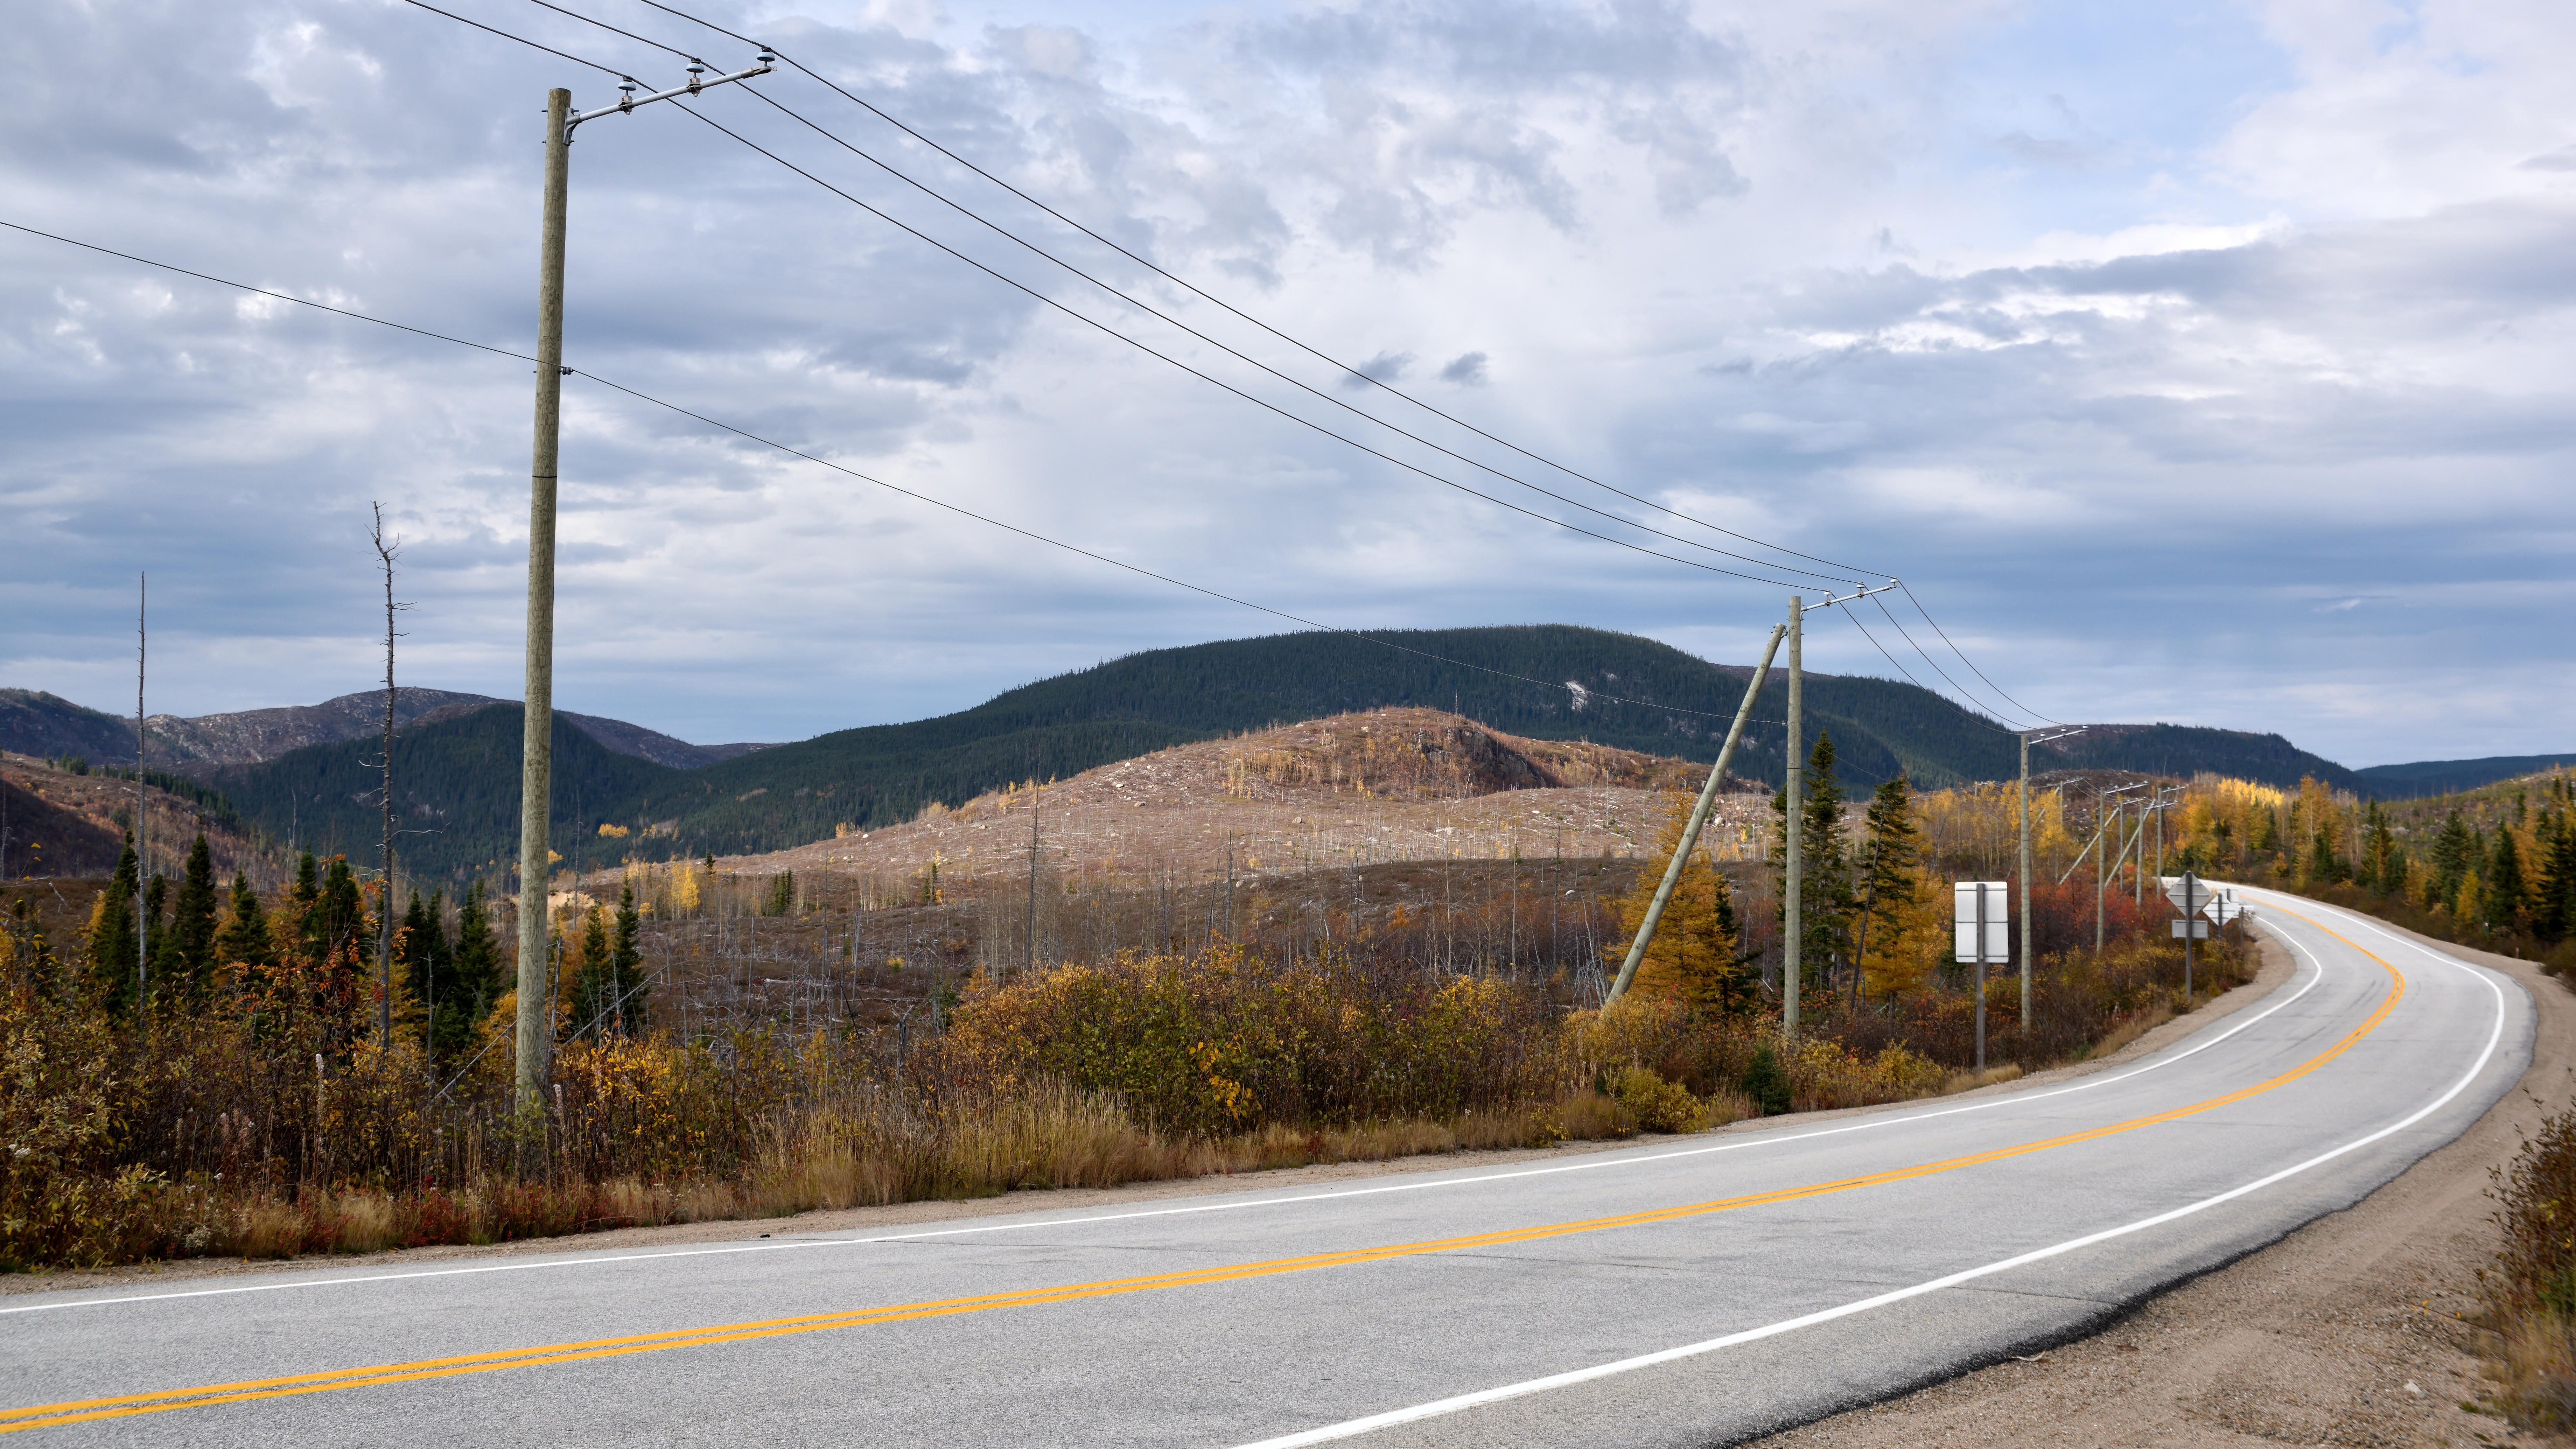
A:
{"x":156,"y":937}
{"x":592,"y":991}
{"x":338,"y":916}
{"x":2505,"y":899}
{"x":1825,"y":893}
{"x":626,"y":966}
{"x":113,"y":941}
{"x":477,"y":955}
{"x":185,"y":963}
{"x":2452,"y":853}
{"x":2379,"y":846}
{"x":2267,"y":843}
{"x":243,"y":941}
{"x":1889,"y":858}
{"x":2324,"y":866}
{"x":2555,"y":912}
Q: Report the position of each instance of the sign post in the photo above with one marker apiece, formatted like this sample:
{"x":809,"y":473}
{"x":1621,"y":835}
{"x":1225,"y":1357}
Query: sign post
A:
{"x":1981,"y":931}
{"x":2191,"y":897}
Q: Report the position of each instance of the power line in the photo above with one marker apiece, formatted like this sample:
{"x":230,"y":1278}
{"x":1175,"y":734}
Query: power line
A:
{"x":1219,"y":302}
{"x":1972,"y":664}
{"x":1152,"y":311}
{"x":523,"y":40}
{"x":1030,"y":534}
{"x":1220,"y":383}
{"x":265,"y":292}
{"x":1211,"y":380}
{"x":1928,"y":659}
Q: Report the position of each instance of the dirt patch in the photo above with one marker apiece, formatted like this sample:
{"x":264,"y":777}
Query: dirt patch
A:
{"x":2348,"y":1331}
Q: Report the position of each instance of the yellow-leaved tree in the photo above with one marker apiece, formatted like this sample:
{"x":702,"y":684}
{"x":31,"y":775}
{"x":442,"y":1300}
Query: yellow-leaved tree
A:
{"x":1695,"y":957}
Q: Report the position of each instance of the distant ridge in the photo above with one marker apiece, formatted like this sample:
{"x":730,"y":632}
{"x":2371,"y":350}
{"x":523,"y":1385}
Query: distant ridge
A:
{"x":33,"y":722}
{"x":2442,"y":777}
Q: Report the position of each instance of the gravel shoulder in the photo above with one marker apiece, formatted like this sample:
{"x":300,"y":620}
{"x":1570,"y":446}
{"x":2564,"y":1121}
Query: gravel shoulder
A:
{"x":2348,"y":1331}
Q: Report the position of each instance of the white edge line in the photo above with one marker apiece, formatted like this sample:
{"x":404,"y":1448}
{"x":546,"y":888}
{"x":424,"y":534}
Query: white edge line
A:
{"x":1438,"y":1407}
{"x":1767,"y":1139}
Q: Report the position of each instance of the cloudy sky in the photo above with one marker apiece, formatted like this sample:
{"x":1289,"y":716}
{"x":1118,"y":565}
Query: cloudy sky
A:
{"x":2190,"y":361}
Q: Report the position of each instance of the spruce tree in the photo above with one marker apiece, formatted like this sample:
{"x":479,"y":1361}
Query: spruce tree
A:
{"x":156,"y":936}
{"x":186,"y":962}
{"x":2452,"y":853}
{"x":474,"y":980}
{"x":2505,"y":899}
{"x":112,"y":938}
{"x":2554,"y":914}
{"x":626,"y":966}
{"x":1825,"y":894}
{"x":1889,"y":854}
{"x":243,"y":941}
{"x":591,"y":994}
{"x":338,"y":917}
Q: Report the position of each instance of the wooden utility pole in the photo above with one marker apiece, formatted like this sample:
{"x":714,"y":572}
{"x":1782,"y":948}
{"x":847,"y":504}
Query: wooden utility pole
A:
{"x":1029,"y":928}
{"x":2025,"y":885}
{"x":142,"y":867}
{"x":536,"y":769}
{"x":1791,"y":926}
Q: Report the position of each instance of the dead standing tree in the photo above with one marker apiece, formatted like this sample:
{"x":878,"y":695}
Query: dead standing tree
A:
{"x":386,"y":553}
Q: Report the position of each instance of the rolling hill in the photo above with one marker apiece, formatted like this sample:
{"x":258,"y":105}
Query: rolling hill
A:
{"x":459,"y":772}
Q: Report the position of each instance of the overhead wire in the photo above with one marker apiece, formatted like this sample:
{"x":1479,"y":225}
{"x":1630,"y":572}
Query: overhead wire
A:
{"x":1152,"y":311}
{"x":1972,"y":664}
{"x":521,"y":39}
{"x":1979,"y":705}
{"x":1847,"y":569}
{"x":1157,"y":313}
{"x":1031,"y":534}
{"x":1263,"y":403}
{"x":1213,"y":381}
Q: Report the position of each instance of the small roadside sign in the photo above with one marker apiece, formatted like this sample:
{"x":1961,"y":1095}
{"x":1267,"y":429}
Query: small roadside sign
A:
{"x":1981,"y":922}
{"x":2199,"y":930}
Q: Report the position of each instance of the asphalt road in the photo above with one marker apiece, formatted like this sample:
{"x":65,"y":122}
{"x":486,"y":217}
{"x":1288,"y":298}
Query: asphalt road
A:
{"x":1687,"y":1292}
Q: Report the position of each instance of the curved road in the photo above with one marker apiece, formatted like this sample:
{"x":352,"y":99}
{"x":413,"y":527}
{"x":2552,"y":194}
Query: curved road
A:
{"x":1682,"y":1293}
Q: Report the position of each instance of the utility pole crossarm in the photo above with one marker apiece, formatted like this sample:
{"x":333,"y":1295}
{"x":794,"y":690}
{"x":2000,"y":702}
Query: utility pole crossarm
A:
{"x":627,"y":103}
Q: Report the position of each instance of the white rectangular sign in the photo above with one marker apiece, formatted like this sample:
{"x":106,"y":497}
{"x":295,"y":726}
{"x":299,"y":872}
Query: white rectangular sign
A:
{"x":1981,"y":917}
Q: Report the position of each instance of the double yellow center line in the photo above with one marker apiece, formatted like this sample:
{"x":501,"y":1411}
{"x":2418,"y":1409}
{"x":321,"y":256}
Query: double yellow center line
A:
{"x":163,"y":1401}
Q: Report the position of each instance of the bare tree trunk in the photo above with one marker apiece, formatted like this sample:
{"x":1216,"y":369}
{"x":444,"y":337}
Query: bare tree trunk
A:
{"x":385,"y":555}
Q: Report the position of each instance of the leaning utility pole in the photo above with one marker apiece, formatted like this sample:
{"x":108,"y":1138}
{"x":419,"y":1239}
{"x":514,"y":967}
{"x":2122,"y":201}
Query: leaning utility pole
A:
{"x":536,"y":768}
{"x":1792,"y":925}
{"x":1698,"y":818}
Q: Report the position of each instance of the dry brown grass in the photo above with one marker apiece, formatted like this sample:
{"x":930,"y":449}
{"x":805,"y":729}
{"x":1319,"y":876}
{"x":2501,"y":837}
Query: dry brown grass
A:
{"x":2129,"y":1030}
{"x":1970,"y":1081}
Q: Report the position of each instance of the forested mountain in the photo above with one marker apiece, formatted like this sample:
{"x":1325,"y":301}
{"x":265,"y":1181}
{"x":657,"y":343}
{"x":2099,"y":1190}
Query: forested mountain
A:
{"x":2442,"y":777}
{"x":456,"y":793}
{"x":458,"y":778}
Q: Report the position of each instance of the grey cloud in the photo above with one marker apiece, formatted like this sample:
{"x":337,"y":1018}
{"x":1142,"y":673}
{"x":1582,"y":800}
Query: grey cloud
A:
{"x":1467,"y":369}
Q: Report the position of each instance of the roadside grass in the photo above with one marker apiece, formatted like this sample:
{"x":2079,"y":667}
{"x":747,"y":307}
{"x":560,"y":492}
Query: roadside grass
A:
{"x":2530,"y":1288}
{"x":261,"y":1133}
